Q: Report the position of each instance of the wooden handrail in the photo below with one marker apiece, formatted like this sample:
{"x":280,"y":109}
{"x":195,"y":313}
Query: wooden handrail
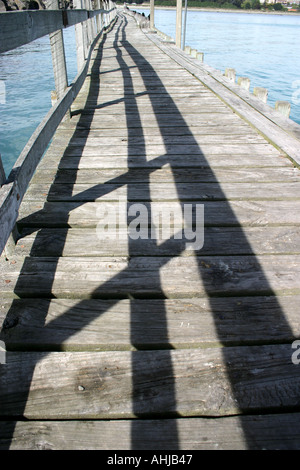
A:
{"x":12,"y":192}
{"x":21,"y":27}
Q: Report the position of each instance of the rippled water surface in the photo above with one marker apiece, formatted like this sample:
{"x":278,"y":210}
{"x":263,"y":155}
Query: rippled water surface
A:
{"x":26,"y":82}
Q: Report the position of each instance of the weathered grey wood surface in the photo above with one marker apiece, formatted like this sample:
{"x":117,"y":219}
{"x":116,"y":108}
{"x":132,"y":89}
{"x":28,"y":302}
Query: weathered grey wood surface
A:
{"x":112,"y":384}
{"x":269,"y":432}
{"x":91,"y":324}
{"x":19,"y":28}
{"x":146,"y":344}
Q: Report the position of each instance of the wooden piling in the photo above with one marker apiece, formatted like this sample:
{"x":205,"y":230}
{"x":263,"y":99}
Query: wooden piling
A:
{"x":283,"y":107}
{"x":244,"y":82}
{"x":178,"y":23}
{"x":261,"y":93}
{"x":151,"y":14}
{"x":200,"y":56}
{"x":230,"y":73}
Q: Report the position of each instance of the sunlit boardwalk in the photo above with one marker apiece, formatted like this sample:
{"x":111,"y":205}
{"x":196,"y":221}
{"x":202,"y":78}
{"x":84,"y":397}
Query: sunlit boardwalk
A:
{"x":119,"y":338}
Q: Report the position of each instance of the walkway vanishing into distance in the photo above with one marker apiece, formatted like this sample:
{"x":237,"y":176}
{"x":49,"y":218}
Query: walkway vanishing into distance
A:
{"x":142,"y":343}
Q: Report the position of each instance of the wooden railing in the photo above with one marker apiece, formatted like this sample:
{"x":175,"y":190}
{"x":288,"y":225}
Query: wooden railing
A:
{"x":22,"y":27}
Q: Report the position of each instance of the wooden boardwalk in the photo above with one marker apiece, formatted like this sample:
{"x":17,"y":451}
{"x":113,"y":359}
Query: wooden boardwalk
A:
{"x":144,"y":343}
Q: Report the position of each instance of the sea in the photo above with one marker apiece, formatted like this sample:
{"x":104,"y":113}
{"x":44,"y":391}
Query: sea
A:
{"x":261,"y":46}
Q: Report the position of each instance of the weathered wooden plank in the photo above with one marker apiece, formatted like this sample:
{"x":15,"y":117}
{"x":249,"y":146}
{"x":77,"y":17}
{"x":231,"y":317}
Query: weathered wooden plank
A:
{"x":163,"y":192}
{"x":183,"y":103}
{"x":153,"y":162}
{"x":18,"y":28}
{"x":183,"y":130}
{"x":171,"y":277}
{"x":166,"y":175}
{"x":259,"y":432}
{"x":91,"y":385}
{"x":140,"y":81}
{"x":217,"y":240}
{"x":117,"y":103}
{"x":74,"y":325}
{"x":119,"y":109}
{"x":21,"y":27}
{"x":148,"y":120}
{"x":218,"y":213}
{"x":192,"y":139}
{"x":90,"y":149}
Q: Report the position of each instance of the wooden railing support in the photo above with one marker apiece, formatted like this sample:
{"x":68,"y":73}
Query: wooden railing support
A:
{"x":261,"y":93}
{"x":58,"y":57}
{"x":284,"y":107}
{"x":178,"y":23}
{"x":99,"y":21}
{"x":151,"y":14}
{"x":230,"y":74}
{"x":244,"y":82}
{"x":81,"y":37}
{"x":91,"y":30}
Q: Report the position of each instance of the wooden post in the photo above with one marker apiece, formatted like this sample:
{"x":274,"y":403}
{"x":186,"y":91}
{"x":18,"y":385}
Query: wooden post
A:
{"x":283,"y":107}
{"x":90,"y":24}
{"x":151,"y":14}
{"x":98,"y":17}
{"x":81,"y":37}
{"x":184,"y":24}
{"x":178,"y":22}
{"x":58,"y":57}
{"x":244,"y":82}
{"x":200,"y":56}
{"x":105,"y":6}
{"x":261,"y":93}
{"x":230,"y":73}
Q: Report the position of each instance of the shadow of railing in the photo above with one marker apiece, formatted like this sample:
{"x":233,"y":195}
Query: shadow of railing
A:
{"x":159,"y":394}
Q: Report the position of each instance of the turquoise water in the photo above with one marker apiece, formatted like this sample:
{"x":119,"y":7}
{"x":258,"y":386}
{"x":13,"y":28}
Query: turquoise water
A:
{"x":265,"y":48}
{"x":26,"y":82}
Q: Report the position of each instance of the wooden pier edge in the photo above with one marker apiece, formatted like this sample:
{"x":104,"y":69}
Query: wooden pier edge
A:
{"x":281,"y":131}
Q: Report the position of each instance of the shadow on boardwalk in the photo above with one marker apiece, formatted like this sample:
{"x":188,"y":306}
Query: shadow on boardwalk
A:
{"x":165,"y":406}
